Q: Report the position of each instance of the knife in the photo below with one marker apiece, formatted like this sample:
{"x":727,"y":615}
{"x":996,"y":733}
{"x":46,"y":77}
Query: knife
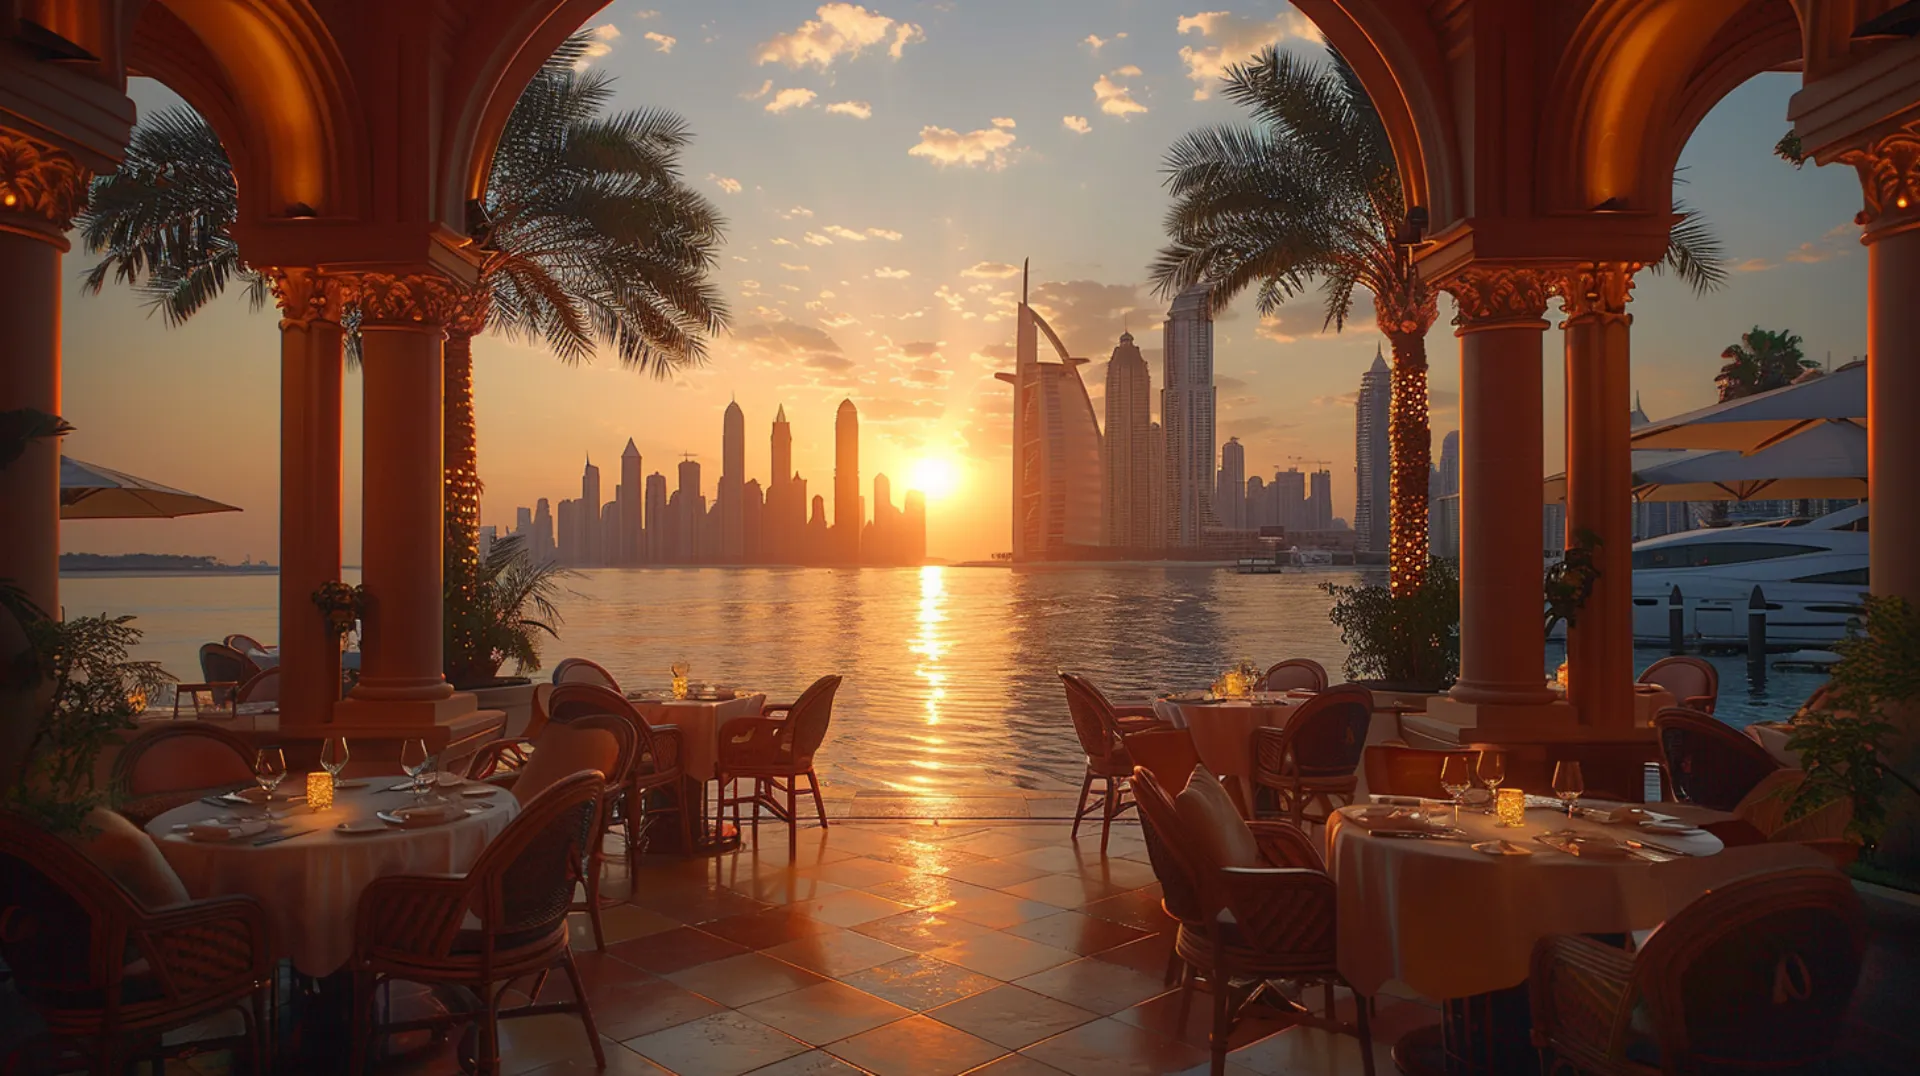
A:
{"x":1411,"y":835}
{"x":1655,"y":847}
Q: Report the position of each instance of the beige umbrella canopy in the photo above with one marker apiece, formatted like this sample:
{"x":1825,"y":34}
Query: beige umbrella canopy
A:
{"x":1752,"y":423}
{"x":1828,"y":460}
{"x":89,"y":491}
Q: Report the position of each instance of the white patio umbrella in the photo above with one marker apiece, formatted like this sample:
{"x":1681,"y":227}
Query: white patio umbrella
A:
{"x":89,"y":491}
{"x":1829,"y":460}
{"x":1753,"y":423}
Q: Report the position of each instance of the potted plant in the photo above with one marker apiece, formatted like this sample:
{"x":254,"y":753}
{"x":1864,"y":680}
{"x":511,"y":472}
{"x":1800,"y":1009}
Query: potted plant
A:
{"x":1407,"y":644}
{"x":1862,"y":742}
{"x":501,"y":614}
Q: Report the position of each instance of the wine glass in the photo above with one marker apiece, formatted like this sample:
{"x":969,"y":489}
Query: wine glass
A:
{"x":1456,"y":776}
{"x":269,"y":769}
{"x":1493,"y":770}
{"x":414,"y":759}
{"x":1568,"y":784}
{"x":333,"y":756}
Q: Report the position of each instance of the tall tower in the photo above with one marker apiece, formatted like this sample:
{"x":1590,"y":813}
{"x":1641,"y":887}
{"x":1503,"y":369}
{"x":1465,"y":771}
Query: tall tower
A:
{"x":1157,"y":484}
{"x":1186,"y":411}
{"x":1230,"y":493}
{"x":1320,"y":500}
{"x":590,"y":552}
{"x":693,"y":509}
{"x":733,"y":467}
{"x":1057,"y":477}
{"x":630,"y":497}
{"x":543,"y":549}
{"x":1129,"y":461}
{"x":1290,"y":499}
{"x":846,"y":483}
{"x":786,"y":513}
{"x":1373,"y":477}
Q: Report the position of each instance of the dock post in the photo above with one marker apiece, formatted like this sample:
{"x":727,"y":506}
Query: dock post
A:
{"x":1757,"y":637}
{"x":1676,"y":622}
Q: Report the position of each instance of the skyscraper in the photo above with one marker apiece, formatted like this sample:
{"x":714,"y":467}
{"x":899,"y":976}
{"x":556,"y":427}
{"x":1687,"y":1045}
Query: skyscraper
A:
{"x":1373,"y":473}
{"x":543,"y":548}
{"x":693,"y":510}
{"x":629,"y":498}
{"x":786,"y":514}
{"x":1290,"y":499}
{"x":1129,"y":462}
{"x":753,"y":517}
{"x":1186,"y":411}
{"x":1230,"y":491}
{"x":659,"y":543}
{"x":1157,"y":484}
{"x":1443,"y":500}
{"x":1320,"y":500}
{"x":1057,"y":477}
{"x":589,"y":514}
{"x":733,"y":468}
{"x":846,"y":483}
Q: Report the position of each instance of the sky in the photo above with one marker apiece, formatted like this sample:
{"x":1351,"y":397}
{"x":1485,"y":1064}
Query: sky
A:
{"x":884,"y":169}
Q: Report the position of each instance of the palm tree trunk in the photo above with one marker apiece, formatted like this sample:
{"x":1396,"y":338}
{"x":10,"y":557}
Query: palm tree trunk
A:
{"x":462,"y":466}
{"x":1410,"y":441}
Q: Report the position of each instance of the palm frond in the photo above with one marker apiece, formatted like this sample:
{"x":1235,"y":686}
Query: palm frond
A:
{"x":1695,"y":253}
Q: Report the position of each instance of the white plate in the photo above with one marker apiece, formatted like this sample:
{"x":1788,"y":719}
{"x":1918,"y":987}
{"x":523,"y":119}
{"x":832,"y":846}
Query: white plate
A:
{"x":1678,"y":829}
{"x":361,"y":826}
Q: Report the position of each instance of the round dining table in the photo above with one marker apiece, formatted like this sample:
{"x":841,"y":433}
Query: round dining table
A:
{"x":1459,"y":925}
{"x":307,"y":875}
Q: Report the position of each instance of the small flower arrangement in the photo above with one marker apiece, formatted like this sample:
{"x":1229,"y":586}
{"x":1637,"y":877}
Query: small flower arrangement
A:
{"x":341,"y":604}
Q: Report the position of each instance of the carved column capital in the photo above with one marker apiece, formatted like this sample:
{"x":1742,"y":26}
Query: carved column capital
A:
{"x":1889,"y":169}
{"x":306,"y":295}
{"x":1492,"y":296}
{"x":41,"y":186}
{"x":1597,"y":291}
{"x":407,"y":300}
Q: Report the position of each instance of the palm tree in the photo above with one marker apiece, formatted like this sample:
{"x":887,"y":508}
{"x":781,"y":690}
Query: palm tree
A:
{"x":1763,"y":360}
{"x":1309,"y":193}
{"x":591,"y":237}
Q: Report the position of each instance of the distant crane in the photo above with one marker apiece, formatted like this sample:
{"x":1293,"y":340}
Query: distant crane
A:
{"x":1324,"y":464}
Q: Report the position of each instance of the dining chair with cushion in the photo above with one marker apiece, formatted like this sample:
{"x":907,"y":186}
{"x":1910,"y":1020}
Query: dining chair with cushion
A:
{"x":222,"y":664}
{"x":1254,"y":903}
{"x":1694,"y":682}
{"x":1102,"y":728}
{"x":656,"y":783}
{"x":244,"y":643}
{"x":1294,"y":673}
{"x":175,"y":762}
{"x":582,"y":671}
{"x":1395,"y":770}
{"x":109,"y":974}
{"x":263,"y":687}
{"x":506,"y":919}
{"x":1707,"y":761}
{"x":1314,"y":759}
{"x":1755,"y":974}
{"x":774,"y":753}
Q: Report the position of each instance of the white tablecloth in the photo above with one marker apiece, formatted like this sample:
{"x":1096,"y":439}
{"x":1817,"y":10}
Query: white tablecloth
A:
{"x":1223,"y":731}
{"x":1449,"y":922}
{"x":310,"y":885}
{"x":699,"y":724}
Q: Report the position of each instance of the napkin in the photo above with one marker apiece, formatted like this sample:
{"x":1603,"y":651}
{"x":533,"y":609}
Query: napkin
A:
{"x":215,"y":830}
{"x":430,"y":814}
{"x":1383,"y":819}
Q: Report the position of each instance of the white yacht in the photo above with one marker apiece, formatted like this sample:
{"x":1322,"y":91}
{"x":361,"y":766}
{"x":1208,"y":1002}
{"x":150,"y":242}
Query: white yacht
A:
{"x":1811,"y":573}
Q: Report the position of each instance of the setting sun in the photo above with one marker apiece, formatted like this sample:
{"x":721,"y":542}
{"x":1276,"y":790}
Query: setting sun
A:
{"x":935,"y":476}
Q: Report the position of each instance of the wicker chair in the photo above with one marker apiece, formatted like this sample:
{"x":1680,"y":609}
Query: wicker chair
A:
{"x":1275,"y":921}
{"x":177,"y":762}
{"x":503,"y":920}
{"x":110,"y":976}
{"x":774,"y":753}
{"x":1754,"y":975}
{"x":658,"y":772}
{"x":1693,"y":681}
{"x":582,"y":671}
{"x":1301,"y":673}
{"x":244,"y":643}
{"x":617,"y":765}
{"x":1312,"y":761}
{"x":1102,"y":728}
{"x":264,"y":687}
{"x":1708,"y":761}
{"x":221,"y":665}
{"x":1398,"y":770}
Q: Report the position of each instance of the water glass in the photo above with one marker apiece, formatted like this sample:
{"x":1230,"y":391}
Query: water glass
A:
{"x":1492,"y":770}
{"x":1456,"y":776}
{"x":415,"y":760}
{"x":333,"y":755}
{"x":1568,"y":784}
{"x":269,"y":769}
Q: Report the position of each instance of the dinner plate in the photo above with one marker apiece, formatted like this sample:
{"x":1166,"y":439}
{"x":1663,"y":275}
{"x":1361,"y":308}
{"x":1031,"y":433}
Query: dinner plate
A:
{"x":1502,"y":848}
{"x":361,"y":826}
{"x":1678,"y":829}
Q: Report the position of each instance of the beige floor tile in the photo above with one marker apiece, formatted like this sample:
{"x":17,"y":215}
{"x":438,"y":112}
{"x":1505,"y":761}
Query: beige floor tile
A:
{"x":994,"y":873}
{"x":811,"y":1063}
{"x":921,"y":930}
{"x":999,"y":843}
{"x":618,"y":923}
{"x":920,"y":982}
{"x":1161,"y":1015}
{"x":1002,"y":956}
{"x":698,"y":903}
{"x":991,"y":908}
{"x":786,"y":885}
{"x":1111,"y":1048}
{"x":620,"y":1062}
{"x":825,"y":1012}
{"x":763,"y":930}
{"x":675,"y":950}
{"x":724,"y":1044}
{"x":849,"y":907}
{"x":919,"y":890}
{"x":1076,"y":932}
{"x":1148,"y":956}
{"x":744,"y":979}
{"x":1015,"y":1065}
{"x":1139,"y":909}
{"x":626,"y":1012}
{"x":917,"y":1046}
{"x":529,"y":1042}
{"x":1095,"y":985}
{"x":1011,"y":1017}
{"x":1120,"y":873}
{"x":842,"y":952}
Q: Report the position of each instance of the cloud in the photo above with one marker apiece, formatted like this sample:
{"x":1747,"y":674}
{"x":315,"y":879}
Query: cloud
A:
{"x":1345,"y":399}
{"x":796,"y":268}
{"x":1272,"y":329}
{"x":1094,"y":42}
{"x":840,"y":29}
{"x":1117,"y":99}
{"x":785,"y":342}
{"x":1229,"y":384}
{"x":790,"y":98}
{"x":796,"y":211}
{"x":1233,"y":38}
{"x":765,"y":89}
{"x":1088,"y":315}
{"x":1077,"y":124}
{"x":889,"y":273}
{"x":991,"y":270}
{"x":1753,"y":265}
{"x":600,"y":43}
{"x":783,"y":242}
{"x":849,"y":234}
{"x":859,"y":110}
{"x":887,"y":234}
{"x":927,"y":375}
{"x":662,"y":42}
{"x":1002,"y":121}
{"x":645,"y":14}
{"x":815,"y":239}
{"x":984,"y":148}
{"x":725,"y":183}
{"x":1811,"y":254}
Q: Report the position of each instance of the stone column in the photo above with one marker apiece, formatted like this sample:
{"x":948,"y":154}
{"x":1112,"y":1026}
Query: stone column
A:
{"x":1599,"y":487}
{"x":1889,"y":170}
{"x":311,"y":362}
{"x":41,"y":188}
{"x":402,"y":330}
{"x":1502,"y":652}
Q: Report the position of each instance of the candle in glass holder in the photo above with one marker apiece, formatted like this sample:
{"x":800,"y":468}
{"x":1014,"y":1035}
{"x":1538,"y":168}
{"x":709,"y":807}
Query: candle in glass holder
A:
{"x":679,"y":687}
{"x":1511,"y":806}
{"x":319,"y":790}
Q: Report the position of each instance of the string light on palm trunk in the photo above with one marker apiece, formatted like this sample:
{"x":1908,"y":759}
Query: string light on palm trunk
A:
{"x":1410,"y":441}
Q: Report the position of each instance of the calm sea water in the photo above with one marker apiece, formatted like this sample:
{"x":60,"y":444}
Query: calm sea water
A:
{"x":950,"y":672}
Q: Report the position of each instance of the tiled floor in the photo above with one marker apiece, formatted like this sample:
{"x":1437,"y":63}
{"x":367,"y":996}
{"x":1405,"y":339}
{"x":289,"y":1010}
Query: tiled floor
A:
{"x":899,"y":949}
